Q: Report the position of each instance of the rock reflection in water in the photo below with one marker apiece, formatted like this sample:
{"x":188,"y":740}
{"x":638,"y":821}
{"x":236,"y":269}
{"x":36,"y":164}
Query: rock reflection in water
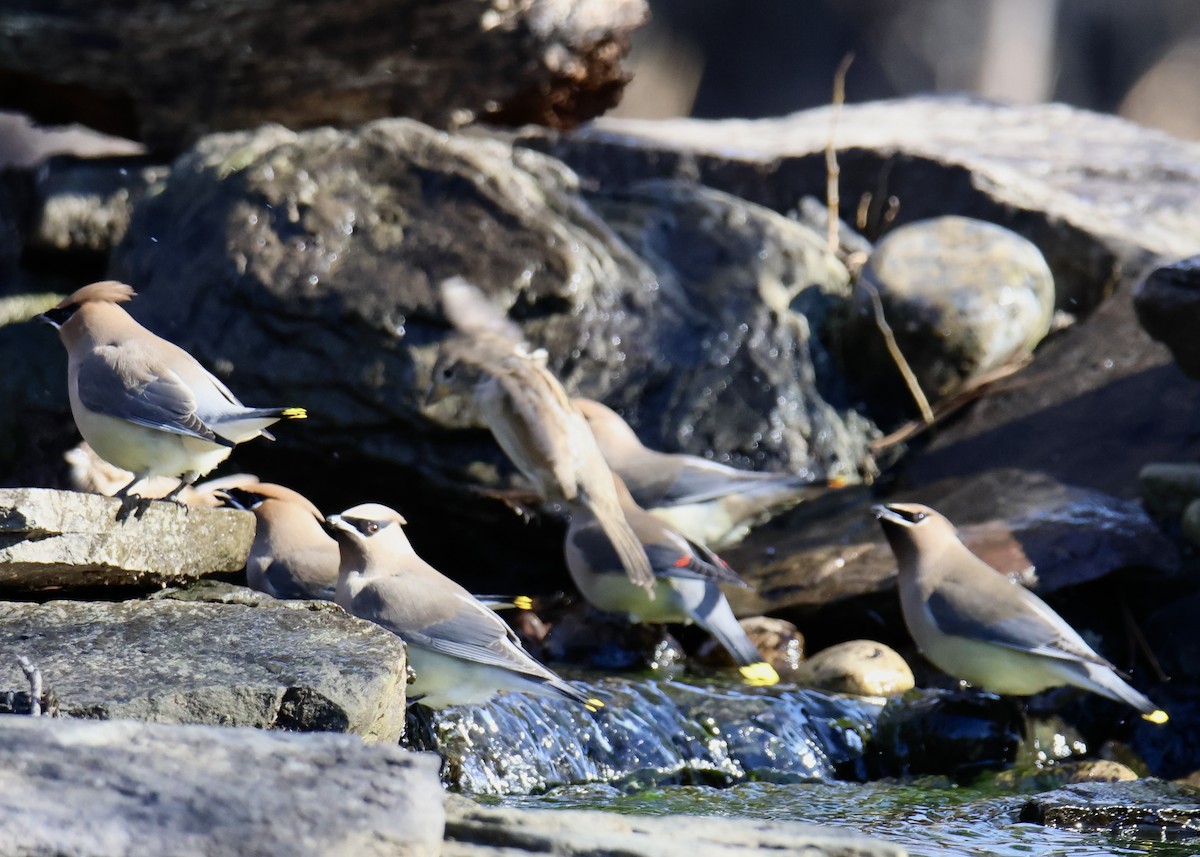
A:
{"x":650,"y":733}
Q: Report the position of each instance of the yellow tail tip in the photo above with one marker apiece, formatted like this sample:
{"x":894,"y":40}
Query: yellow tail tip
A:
{"x":295,"y":414}
{"x":837,"y":482}
{"x":593,"y":704}
{"x":1158,"y":717}
{"x":761,"y":674}
{"x":522,"y":602}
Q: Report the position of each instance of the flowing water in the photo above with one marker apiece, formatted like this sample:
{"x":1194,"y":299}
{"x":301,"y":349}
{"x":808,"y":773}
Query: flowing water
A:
{"x":674,"y":746}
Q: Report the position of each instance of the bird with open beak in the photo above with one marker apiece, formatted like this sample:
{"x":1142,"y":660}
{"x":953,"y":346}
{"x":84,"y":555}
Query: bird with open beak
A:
{"x":976,"y":624}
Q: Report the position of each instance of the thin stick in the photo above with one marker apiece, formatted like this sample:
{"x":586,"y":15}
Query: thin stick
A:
{"x":832,"y":170}
{"x":34,"y":675}
{"x":1140,"y":640}
{"x":974,"y":389}
{"x":897,"y":356}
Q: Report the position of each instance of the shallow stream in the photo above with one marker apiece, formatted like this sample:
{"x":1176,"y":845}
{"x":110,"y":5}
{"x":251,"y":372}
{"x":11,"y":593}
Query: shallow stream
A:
{"x":666,"y":746}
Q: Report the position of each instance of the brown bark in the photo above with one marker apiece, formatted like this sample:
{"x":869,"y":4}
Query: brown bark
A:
{"x":167,"y":72}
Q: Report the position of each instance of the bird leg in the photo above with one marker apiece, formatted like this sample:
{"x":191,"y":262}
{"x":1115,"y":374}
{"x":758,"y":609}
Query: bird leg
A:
{"x":131,"y":503}
{"x":186,"y":482}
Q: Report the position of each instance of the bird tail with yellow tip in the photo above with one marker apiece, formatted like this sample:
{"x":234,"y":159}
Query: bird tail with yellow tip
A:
{"x":294,"y":414}
{"x":760,"y":674}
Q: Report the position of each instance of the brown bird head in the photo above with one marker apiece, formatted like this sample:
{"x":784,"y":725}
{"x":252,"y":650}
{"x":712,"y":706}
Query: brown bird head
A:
{"x":608,"y":427}
{"x":253,"y":495}
{"x":911,"y":528}
{"x":106,"y":292}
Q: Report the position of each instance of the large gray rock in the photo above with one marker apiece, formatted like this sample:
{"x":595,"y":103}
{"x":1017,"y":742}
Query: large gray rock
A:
{"x":308,"y":265}
{"x":769,"y":299}
{"x":55,"y":539}
{"x":475,"y":831}
{"x":288,"y":666}
{"x":119,"y":789}
{"x":444,"y":62}
{"x":1152,"y":808}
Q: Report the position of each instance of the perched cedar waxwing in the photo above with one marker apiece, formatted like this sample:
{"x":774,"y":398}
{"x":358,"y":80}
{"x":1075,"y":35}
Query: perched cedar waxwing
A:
{"x":686,"y":578}
{"x":292,"y":556}
{"x":979,"y":626}
{"x":711,"y":503}
{"x":461,"y":651}
{"x":532,"y":418}
{"x":142,"y":403}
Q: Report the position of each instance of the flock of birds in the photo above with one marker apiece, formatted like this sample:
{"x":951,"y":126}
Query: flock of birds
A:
{"x":643,"y":523}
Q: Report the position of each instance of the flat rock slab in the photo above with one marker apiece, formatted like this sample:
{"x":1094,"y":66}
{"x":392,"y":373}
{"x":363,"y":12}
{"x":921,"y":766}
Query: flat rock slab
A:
{"x":61,"y":539}
{"x":475,"y":831}
{"x":118,"y":789}
{"x":220,"y":664}
{"x":1141,"y":807}
{"x":1089,"y":190}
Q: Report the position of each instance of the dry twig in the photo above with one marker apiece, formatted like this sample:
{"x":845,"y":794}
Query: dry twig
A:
{"x":897,"y":356}
{"x":832,"y":170}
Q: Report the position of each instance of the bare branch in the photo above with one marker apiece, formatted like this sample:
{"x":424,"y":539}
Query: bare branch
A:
{"x":832,"y":170}
{"x":897,"y":356}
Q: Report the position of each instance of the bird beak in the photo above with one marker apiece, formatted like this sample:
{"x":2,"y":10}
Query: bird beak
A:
{"x":42,"y":317}
{"x":334,"y":525}
{"x":883,"y":513}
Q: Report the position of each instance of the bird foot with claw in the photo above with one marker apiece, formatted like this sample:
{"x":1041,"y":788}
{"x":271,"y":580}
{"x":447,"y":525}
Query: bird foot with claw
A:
{"x":133,"y":504}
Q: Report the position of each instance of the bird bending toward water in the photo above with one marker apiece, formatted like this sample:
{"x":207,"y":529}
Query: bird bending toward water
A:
{"x":142,"y":403}
{"x":974,"y":623}
{"x":686,"y":582}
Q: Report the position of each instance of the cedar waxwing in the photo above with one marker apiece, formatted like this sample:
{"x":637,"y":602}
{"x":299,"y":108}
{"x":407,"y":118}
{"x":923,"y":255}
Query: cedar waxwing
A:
{"x":142,"y":403}
{"x":532,"y":418}
{"x":979,"y":626}
{"x":461,"y":651}
{"x":711,"y":503}
{"x":292,"y":556}
{"x":686,"y":578}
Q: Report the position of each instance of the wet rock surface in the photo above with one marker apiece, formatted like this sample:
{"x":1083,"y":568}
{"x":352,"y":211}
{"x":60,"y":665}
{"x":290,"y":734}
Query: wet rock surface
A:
{"x":475,"y":831}
{"x":447,"y":63}
{"x":649,"y":733}
{"x":280,"y":665}
{"x":109,"y":789}
{"x":955,"y":734}
{"x":54,"y":540}
{"x":1142,"y":807}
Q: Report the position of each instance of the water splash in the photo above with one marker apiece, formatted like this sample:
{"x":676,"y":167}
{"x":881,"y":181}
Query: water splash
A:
{"x":650,"y":733}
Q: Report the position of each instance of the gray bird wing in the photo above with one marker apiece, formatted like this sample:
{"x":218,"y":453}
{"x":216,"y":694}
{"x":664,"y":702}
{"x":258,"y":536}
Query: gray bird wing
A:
{"x":699,"y":481}
{"x":670,"y":555}
{"x":141,"y":392}
{"x":463,"y":628}
{"x":994,"y":610}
